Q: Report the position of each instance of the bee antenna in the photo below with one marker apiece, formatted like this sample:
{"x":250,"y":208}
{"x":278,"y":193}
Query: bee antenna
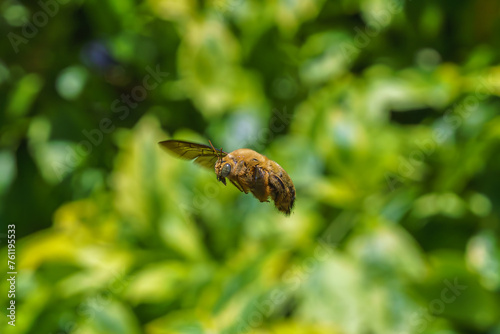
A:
{"x":215,"y":149}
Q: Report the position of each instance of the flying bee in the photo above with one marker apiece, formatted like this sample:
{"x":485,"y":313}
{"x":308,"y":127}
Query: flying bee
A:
{"x":246,"y":169}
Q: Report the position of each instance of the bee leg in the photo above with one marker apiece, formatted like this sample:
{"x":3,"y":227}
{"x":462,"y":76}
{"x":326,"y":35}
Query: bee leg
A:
{"x":260,"y":189}
{"x":239,"y":173}
{"x":237,"y":185}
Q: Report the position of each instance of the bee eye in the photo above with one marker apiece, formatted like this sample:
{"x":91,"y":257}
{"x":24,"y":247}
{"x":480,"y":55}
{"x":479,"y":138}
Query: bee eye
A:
{"x":225,"y":170}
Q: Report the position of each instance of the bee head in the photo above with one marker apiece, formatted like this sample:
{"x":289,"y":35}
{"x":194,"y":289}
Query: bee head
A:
{"x":222,"y":167}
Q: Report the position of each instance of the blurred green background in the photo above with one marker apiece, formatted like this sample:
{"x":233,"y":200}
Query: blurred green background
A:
{"x":385,"y":114}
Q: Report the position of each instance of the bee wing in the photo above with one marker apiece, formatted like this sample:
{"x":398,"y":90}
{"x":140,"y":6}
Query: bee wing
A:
{"x":203,"y":155}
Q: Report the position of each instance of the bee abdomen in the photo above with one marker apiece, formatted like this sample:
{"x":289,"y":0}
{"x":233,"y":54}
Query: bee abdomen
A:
{"x":283,"y":194}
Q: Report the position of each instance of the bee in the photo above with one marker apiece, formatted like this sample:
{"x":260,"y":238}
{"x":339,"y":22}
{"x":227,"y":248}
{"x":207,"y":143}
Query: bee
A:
{"x":246,"y":169}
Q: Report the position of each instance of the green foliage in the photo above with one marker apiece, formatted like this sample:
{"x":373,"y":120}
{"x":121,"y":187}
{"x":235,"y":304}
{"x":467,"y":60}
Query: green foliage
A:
{"x":383,"y":112}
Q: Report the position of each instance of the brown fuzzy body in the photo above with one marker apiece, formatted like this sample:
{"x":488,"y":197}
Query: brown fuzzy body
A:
{"x":248,"y":170}
{"x":255,"y":173}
